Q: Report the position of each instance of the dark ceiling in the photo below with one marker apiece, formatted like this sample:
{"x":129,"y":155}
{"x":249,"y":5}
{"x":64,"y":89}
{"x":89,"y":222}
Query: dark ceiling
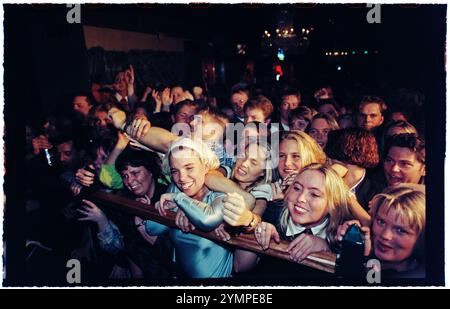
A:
{"x":336,"y":25}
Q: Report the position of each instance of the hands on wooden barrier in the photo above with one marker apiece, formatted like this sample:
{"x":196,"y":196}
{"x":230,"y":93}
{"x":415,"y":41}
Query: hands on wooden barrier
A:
{"x":324,"y":261}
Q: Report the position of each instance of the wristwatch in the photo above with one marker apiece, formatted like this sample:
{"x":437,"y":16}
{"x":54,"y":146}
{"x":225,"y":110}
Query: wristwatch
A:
{"x":252,"y":225}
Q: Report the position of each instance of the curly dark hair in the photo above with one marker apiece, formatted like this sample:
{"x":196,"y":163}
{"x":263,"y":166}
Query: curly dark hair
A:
{"x":353,"y":146}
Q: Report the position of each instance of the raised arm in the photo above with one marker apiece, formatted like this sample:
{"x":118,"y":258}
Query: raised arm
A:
{"x":359,"y":212}
{"x":215,"y":181}
{"x":120,"y":146}
{"x":158,"y":139}
{"x":153,"y":137}
{"x":130,"y":78}
{"x":147,"y":91}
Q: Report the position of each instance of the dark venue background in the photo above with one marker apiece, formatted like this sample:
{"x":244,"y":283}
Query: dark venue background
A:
{"x":46,"y":59}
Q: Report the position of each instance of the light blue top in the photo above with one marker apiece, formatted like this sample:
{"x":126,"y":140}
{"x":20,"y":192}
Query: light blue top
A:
{"x":197,"y":256}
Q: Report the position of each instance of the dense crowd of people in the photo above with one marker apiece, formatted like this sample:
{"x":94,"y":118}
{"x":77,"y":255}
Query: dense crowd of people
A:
{"x":263,"y":162}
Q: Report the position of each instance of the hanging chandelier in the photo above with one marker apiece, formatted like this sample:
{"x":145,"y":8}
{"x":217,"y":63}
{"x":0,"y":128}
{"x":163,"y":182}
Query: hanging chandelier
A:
{"x":286,"y":36}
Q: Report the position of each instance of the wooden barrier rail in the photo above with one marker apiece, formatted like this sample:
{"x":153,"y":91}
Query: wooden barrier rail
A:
{"x":324,"y":261}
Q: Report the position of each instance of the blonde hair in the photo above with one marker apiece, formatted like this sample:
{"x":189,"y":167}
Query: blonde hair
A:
{"x":407,"y":201}
{"x":338,"y":201}
{"x":270,"y":173}
{"x":310,"y":151}
{"x":330,"y":121}
{"x":401,"y":124}
{"x":207,"y":157}
{"x":214,"y":116}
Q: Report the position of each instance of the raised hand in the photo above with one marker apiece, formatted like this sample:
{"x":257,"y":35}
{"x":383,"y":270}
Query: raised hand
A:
{"x":158,"y":100}
{"x":198,"y":92}
{"x":122,"y":140}
{"x":118,"y":117}
{"x":277,"y":193}
{"x":138,"y":128}
{"x":40,"y":142}
{"x":287,"y":181}
{"x":167,"y":99}
{"x":129,"y":75}
{"x":156,"y":96}
{"x":148,"y":90}
{"x":322,"y":93}
{"x":187,"y":96}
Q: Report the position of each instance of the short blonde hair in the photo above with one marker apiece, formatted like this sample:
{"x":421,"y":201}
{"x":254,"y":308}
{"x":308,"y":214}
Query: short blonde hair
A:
{"x":407,"y":201}
{"x":338,"y":201}
{"x":206,"y":155}
{"x":310,"y":151}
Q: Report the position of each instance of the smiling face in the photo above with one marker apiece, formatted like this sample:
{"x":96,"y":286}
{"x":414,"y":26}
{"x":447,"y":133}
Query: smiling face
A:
{"x":251,"y":167}
{"x":138,"y":180}
{"x":393,"y":238}
{"x":306,"y":199}
{"x":289,"y":158}
{"x":188,"y":172}
{"x":401,"y":166}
